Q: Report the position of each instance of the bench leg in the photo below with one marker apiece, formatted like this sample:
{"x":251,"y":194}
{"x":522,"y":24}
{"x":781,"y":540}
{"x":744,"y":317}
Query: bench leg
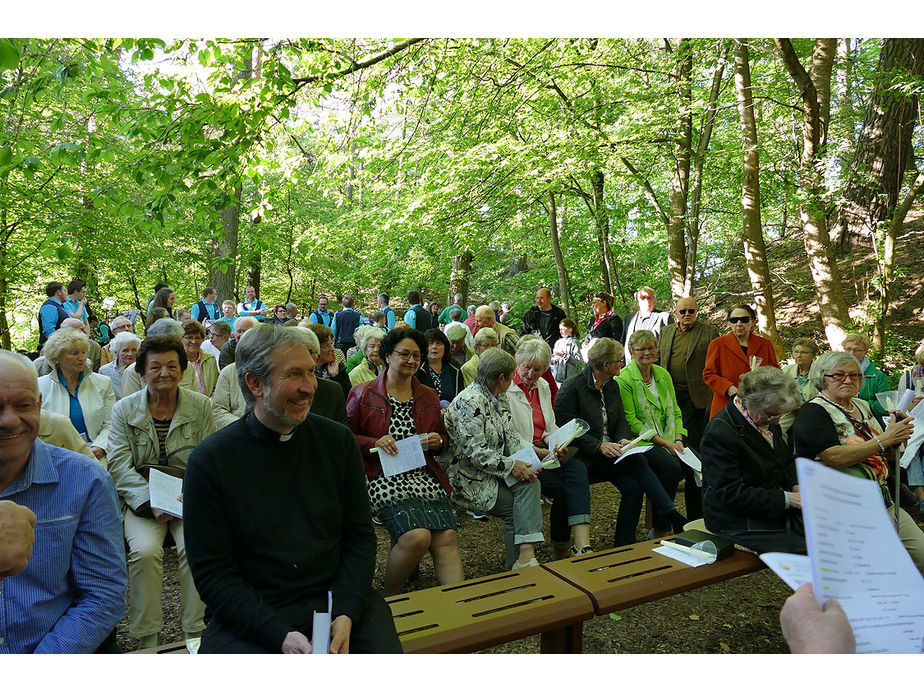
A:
{"x":564,"y":640}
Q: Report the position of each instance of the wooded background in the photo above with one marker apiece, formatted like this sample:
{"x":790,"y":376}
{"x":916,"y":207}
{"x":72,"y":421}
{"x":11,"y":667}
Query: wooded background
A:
{"x":484,"y":166}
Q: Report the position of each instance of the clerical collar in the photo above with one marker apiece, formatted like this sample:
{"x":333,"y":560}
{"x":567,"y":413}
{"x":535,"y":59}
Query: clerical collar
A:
{"x":262,"y":432}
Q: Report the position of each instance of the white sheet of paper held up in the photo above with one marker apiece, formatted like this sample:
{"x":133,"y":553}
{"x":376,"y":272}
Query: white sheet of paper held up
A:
{"x":690,"y":459}
{"x":635,"y":450}
{"x":410,"y":456}
{"x":858,"y":559}
{"x":795,"y":570}
{"x":906,"y":400}
{"x":320,"y":628}
{"x":563,"y":436}
{"x":527,"y":455}
{"x":163,"y":490}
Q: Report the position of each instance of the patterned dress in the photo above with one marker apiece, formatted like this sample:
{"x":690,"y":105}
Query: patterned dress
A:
{"x":414,"y":499}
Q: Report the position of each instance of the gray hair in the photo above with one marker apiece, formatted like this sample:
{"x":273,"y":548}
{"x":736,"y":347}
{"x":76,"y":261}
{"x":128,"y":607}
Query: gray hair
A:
{"x":494,"y":305}
{"x":641,"y":337}
{"x":533,"y":350}
{"x":456,"y":315}
{"x":492,"y":364}
{"x":826,"y":363}
{"x":470,"y":309}
{"x":123,"y":339}
{"x":63,"y":339}
{"x":290,"y":306}
{"x":855,"y":338}
{"x":486,"y":334}
{"x":21,"y":358}
{"x":221,"y":327}
{"x":114,"y":324}
{"x":919,"y":354}
{"x":247,"y":320}
{"x":253,"y":353}
{"x":458,"y":333}
{"x":365,"y":334}
{"x":167,"y":327}
{"x":766,"y":387}
{"x":604,"y":350}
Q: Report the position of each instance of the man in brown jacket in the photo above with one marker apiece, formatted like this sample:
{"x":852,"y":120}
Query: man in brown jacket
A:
{"x":682,"y":347}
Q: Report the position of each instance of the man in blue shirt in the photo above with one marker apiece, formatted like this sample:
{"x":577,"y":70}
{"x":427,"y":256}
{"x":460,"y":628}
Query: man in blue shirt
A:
{"x":390,"y":316}
{"x":72,"y":593}
{"x":416,"y":316}
{"x":251,"y":306}
{"x":322,"y":316}
{"x":52,"y":312}
{"x":206,"y":310}
{"x":76,"y":304}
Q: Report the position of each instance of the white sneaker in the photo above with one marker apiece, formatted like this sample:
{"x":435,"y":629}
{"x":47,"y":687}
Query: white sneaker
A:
{"x":519,"y":566}
{"x":584,"y":550}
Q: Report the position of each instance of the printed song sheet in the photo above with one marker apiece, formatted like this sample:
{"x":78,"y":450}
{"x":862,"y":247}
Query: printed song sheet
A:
{"x":858,"y":559}
{"x":527,"y":455}
{"x":164,"y":491}
{"x":410,"y":456}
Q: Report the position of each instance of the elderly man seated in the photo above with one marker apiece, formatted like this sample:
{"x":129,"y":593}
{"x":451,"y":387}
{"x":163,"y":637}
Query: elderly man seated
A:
{"x":506,"y":337}
{"x":118,"y":325}
{"x":300,"y":475}
{"x":71,"y":594}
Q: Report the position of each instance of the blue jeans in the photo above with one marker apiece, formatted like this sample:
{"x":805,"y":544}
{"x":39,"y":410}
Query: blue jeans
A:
{"x":634,"y":478}
{"x":518,"y":506}
{"x":569,"y":490}
{"x":916,"y":469}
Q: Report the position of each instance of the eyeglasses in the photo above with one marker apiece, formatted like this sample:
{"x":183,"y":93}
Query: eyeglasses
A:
{"x":686,"y":311}
{"x":644,"y":350}
{"x":842,"y":377}
{"x":407,"y":355}
{"x":192,"y":338}
{"x":743,"y":319}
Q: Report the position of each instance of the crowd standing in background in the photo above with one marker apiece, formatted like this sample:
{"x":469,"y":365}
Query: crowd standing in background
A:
{"x":284,"y":386}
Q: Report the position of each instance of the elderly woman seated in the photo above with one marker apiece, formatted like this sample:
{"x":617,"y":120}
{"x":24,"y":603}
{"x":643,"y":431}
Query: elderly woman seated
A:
{"x":368,"y":339}
{"x":156,"y":428}
{"x":594,"y":397}
{"x":75,"y":391}
{"x":534,"y":418}
{"x":124,"y":348}
{"x":165,"y":327}
{"x":874,"y":380}
{"x":749,"y":474}
{"x":331,"y":365}
{"x":487,"y":340}
{"x":804,"y":352}
{"x":438,"y":370}
{"x":839,"y":429}
{"x":484,"y":436}
{"x":459,"y":337}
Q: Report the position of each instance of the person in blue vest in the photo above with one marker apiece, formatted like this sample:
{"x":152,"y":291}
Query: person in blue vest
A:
{"x":386,"y":310}
{"x":251,"y":306}
{"x":322,"y":316}
{"x":76,"y":304}
{"x":205,"y":310}
{"x":51,"y":313}
{"x":344,"y":324}
{"x":416,"y":316}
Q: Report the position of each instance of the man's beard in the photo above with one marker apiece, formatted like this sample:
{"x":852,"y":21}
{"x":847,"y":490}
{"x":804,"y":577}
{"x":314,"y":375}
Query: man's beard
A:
{"x":282,"y":416}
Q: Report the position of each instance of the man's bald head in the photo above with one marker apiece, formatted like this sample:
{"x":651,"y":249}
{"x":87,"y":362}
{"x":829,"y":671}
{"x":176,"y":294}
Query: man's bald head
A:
{"x":20,"y":414}
{"x":485,"y":316}
{"x":75,"y":323}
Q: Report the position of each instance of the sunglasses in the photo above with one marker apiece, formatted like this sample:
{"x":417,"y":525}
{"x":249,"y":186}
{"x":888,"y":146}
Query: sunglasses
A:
{"x":743,"y":319}
{"x":686,"y":311}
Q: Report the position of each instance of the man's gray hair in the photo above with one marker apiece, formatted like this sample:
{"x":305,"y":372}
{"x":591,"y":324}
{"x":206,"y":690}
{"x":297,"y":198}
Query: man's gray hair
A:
{"x":767,"y":387}
{"x":602,"y":351}
{"x":21,"y":358}
{"x":365,"y":334}
{"x":533,"y":350}
{"x":457,"y":299}
{"x":253,"y":353}
{"x":486,"y":334}
{"x":492,"y":364}
{"x":455,"y":315}
{"x":248,"y":320}
{"x":116,"y":320}
{"x":470,"y":310}
{"x":123,"y":339}
{"x":826,"y":363}
{"x":290,"y":306}
{"x":221,"y":327}
{"x":641,"y":337}
{"x":167,"y":327}
{"x":457,"y":333}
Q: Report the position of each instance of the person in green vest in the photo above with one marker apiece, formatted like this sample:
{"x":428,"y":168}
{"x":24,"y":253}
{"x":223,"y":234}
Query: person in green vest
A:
{"x":874,"y":380}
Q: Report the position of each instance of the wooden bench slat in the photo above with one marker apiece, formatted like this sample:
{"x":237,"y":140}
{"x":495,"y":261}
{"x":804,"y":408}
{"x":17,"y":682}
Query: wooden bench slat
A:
{"x":630,"y":575}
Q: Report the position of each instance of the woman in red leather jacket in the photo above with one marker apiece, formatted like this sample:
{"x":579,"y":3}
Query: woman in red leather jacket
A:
{"x":414,"y":505}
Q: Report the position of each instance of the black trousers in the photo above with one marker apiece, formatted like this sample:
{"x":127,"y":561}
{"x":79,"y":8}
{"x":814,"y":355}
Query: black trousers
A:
{"x":373,"y":633}
{"x":694,"y":420}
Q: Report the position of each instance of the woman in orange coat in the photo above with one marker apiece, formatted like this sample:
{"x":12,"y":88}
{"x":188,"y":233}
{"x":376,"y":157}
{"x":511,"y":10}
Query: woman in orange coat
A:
{"x":729,"y":356}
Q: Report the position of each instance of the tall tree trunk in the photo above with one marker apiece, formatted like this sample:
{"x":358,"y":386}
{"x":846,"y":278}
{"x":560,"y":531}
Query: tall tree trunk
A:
{"x":884,"y":145}
{"x":223,"y":256}
{"x":815,"y":103}
{"x":755,"y":251}
{"x":564,"y":283}
{"x":602,"y":227}
{"x":459,"y":277}
{"x":680,"y":186}
{"x":887,"y":261}
{"x":845,"y":110}
{"x":699,"y":162}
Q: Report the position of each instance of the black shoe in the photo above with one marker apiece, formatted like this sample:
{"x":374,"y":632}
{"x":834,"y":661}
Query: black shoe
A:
{"x":677,"y":521}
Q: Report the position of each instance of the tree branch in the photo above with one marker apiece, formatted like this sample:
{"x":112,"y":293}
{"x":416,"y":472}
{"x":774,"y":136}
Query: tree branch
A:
{"x":356,"y":66}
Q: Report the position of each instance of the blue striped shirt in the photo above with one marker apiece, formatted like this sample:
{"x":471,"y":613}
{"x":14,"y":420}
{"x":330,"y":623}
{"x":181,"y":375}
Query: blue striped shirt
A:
{"x":72,"y":593}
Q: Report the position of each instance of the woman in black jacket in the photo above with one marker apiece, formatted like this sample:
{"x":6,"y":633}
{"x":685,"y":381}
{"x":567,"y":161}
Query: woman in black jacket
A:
{"x":750,"y":491}
{"x":591,"y":396}
{"x":604,"y":323}
{"x":438,"y":369}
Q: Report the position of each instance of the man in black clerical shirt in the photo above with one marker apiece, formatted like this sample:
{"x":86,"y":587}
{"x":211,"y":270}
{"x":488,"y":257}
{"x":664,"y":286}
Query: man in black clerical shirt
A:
{"x":276,"y":514}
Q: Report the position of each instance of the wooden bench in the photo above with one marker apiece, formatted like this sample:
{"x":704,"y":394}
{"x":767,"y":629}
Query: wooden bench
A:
{"x":475,"y":614}
{"x":616,"y":579}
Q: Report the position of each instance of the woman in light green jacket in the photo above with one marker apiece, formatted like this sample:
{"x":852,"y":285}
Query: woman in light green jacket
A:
{"x":804,"y":352}
{"x":650,"y":402}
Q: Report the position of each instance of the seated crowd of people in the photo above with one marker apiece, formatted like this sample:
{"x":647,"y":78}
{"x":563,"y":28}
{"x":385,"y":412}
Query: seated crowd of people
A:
{"x":278,"y":506}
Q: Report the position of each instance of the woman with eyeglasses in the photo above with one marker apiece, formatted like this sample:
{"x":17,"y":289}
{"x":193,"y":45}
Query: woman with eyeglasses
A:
{"x":874,"y":380}
{"x":750,"y":491}
{"x":804,"y":352}
{"x":202,"y":364}
{"x":839,"y":429}
{"x":414,"y":506}
{"x":731,"y":355}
